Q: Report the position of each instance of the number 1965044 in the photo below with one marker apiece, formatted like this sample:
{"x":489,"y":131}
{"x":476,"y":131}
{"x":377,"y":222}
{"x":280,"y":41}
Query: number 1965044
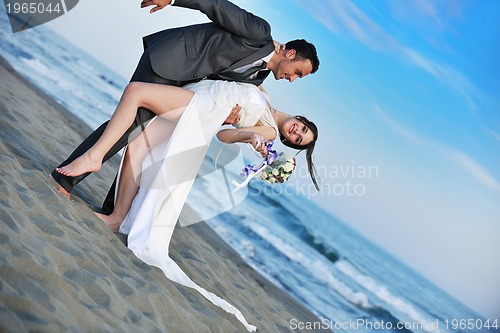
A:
{"x":32,"y":8}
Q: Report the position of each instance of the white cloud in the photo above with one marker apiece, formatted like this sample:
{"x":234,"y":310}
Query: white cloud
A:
{"x":472,"y":167}
{"x":448,"y":76}
{"x":483,"y":105}
{"x":430,"y":16}
{"x":456,"y":157}
{"x":344,"y":17}
{"x":407,"y":133}
{"x":492,"y":134}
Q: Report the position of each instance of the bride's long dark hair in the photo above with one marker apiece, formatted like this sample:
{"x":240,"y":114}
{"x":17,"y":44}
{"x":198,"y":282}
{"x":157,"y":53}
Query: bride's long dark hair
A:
{"x":309,"y":148}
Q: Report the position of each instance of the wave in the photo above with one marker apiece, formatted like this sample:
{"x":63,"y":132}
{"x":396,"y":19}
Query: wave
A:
{"x":317,"y":268}
{"x":285,"y":213}
{"x":325,"y":250}
{"x":34,"y":65}
{"x":385,"y":316}
{"x":309,"y":237}
{"x":383,"y":294}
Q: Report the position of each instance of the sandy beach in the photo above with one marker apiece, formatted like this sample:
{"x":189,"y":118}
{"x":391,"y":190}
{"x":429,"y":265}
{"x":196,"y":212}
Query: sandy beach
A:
{"x":62,"y":270}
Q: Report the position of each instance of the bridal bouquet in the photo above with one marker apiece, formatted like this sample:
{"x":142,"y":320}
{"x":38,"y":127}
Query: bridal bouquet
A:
{"x":279,"y":170}
{"x":276,"y":168}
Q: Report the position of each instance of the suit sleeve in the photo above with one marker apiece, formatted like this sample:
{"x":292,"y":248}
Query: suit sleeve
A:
{"x":230,"y":17}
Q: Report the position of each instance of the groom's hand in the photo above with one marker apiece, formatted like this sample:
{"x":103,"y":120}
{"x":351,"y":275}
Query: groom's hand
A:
{"x":159,"y":4}
{"x":234,"y":116}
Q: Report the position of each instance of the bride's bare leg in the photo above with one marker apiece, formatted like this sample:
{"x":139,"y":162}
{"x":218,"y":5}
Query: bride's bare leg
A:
{"x":127,"y":190}
{"x":130,"y":174}
{"x":165,"y":101}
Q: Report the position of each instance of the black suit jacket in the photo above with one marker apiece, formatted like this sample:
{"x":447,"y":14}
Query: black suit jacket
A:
{"x":234,"y":38}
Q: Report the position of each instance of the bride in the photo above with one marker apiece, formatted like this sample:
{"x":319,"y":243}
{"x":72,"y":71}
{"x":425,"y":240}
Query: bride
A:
{"x":160,"y":164}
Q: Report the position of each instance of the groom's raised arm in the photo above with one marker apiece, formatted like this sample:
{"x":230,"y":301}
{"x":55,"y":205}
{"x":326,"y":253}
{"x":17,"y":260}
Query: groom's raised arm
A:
{"x":225,"y":14}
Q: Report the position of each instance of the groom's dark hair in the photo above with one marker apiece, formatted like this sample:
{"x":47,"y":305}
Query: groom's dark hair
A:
{"x":304,"y":50}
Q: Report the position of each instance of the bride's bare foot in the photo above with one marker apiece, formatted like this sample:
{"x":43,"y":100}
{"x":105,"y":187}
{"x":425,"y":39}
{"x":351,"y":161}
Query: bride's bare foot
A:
{"x":81,"y":165}
{"x":111,"y":221}
{"x":61,"y":189}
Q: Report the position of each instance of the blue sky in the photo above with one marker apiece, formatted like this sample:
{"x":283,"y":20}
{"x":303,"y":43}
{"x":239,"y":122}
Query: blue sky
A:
{"x":408,"y":89}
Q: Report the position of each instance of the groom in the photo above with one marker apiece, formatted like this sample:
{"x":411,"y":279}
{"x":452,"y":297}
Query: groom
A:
{"x":235,"y":46}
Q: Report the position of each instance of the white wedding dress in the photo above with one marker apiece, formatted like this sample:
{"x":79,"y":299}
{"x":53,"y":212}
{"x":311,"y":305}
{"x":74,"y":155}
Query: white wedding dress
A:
{"x":169,"y":172}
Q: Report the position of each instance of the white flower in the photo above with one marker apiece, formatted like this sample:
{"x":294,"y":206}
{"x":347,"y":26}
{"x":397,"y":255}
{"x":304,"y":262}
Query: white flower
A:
{"x":272,"y":180}
{"x":288,"y":167}
{"x":276,"y":172}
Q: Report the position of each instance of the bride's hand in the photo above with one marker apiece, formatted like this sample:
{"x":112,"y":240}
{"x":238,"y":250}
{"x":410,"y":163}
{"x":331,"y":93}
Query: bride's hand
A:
{"x":159,"y":4}
{"x":258,"y":141}
{"x":234,"y":116}
{"x":278,"y":46}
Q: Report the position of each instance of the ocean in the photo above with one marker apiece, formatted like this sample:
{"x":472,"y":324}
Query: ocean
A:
{"x":348,"y":282}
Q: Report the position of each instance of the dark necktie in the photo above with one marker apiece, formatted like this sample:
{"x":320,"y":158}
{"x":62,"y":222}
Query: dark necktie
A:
{"x":233,"y":76}
{"x":252,"y":70}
